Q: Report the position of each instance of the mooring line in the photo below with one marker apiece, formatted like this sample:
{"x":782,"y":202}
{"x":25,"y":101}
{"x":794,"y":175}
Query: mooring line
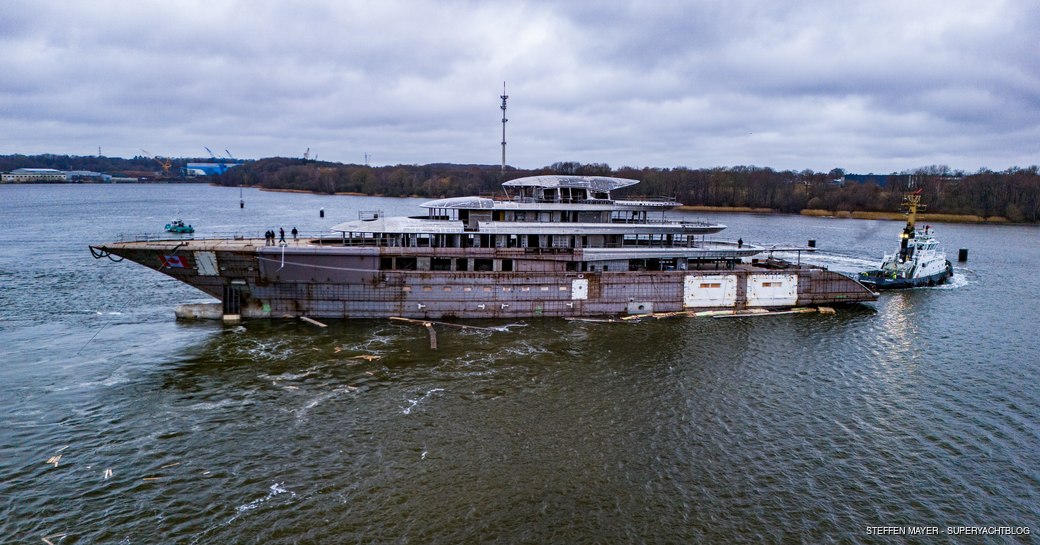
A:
{"x":127,"y":300}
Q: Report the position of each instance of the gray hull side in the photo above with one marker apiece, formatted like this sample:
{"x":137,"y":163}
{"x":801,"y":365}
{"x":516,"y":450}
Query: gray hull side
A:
{"x":347,"y":283}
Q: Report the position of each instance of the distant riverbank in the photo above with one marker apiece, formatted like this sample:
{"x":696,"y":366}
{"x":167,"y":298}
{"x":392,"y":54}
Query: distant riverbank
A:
{"x":935,"y":218}
{"x":816,"y":213}
{"x":859,"y":215}
{"x":347,"y":193}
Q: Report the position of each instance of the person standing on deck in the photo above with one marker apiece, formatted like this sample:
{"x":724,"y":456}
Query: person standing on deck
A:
{"x":294,"y":234}
{"x":281,"y":234}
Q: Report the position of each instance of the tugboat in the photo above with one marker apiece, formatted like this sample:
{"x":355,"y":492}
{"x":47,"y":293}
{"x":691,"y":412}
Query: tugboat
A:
{"x":920,"y":260}
{"x":178,"y":226}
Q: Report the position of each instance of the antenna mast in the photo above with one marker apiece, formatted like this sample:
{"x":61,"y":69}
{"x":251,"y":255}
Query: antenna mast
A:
{"x":504,"y":97}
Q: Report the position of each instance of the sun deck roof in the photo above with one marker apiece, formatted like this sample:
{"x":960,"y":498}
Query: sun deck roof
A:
{"x":469,"y":203}
{"x":596,"y":183}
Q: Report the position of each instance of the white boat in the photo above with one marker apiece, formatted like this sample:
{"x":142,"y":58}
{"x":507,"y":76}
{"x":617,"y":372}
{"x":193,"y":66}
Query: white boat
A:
{"x":920,"y":260}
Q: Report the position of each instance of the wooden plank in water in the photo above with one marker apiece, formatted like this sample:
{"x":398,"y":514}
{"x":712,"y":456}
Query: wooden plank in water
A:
{"x":424,"y":322}
{"x":433,"y":335}
{"x":312,"y":321}
{"x":748,"y":314}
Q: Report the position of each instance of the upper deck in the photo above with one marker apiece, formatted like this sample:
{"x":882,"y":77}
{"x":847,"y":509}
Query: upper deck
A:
{"x":551,"y":204}
{"x":558,"y":192}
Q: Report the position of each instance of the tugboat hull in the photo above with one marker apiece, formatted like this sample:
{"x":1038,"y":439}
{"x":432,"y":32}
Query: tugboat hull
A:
{"x":877,"y":280}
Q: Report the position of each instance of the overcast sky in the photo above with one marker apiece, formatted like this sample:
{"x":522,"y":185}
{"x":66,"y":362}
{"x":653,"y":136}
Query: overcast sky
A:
{"x":876,"y":86}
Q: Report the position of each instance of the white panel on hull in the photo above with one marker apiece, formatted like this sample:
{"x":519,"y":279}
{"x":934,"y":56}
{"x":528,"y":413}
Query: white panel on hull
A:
{"x":715,"y":290}
{"x":772,"y":290}
{"x":206,"y":263}
{"x":579,"y":289}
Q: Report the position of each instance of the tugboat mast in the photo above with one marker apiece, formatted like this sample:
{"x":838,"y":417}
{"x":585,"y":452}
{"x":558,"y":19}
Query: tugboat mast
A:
{"x":912,"y":202}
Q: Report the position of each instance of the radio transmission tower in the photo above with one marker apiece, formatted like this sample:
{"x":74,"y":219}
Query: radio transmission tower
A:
{"x":504,"y":98}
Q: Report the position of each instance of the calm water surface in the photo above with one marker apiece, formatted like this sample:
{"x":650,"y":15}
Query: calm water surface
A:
{"x":919,"y":410}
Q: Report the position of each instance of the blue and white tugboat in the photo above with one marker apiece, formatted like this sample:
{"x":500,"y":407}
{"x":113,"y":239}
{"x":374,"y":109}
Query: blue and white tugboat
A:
{"x":920,"y":260}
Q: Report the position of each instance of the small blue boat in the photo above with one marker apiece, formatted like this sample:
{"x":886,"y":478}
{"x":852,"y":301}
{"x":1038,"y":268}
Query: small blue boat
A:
{"x":178,"y":226}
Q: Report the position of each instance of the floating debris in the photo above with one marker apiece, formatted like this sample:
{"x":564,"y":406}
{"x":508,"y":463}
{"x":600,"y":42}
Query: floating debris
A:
{"x":175,"y":464}
{"x":47,"y":539}
{"x":366,"y":357}
{"x":54,"y":460}
{"x":449,"y":324}
{"x":312,"y":321}
{"x":745,"y":313}
{"x":108,"y":474}
{"x":595,"y":320}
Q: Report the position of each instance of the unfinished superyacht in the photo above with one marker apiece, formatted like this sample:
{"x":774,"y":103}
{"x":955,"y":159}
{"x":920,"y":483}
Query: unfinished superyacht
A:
{"x":552,"y":246}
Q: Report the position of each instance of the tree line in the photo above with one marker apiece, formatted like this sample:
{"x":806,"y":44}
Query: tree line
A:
{"x":1013,"y":193}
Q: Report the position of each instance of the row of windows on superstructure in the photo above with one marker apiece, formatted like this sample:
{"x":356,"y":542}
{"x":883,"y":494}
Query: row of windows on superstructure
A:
{"x":471,"y":217}
{"x":490,"y":289}
{"x":462,"y":264}
{"x":424,"y":240}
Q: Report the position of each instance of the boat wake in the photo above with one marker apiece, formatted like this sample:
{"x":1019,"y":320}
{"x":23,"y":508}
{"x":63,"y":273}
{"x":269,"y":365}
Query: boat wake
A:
{"x":853,"y":265}
{"x":960,"y":278}
{"x":835,"y":262}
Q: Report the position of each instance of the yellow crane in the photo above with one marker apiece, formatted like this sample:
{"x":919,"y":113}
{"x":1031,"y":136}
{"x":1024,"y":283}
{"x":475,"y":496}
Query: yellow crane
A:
{"x":164,"y":162}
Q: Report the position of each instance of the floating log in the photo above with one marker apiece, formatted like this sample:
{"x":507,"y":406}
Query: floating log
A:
{"x":312,"y":321}
{"x":595,"y":320}
{"x":747,"y":314}
{"x":428,"y":324}
{"x":424,"y":322}
{"x":366,"y":357}
{"x":433,"y":335}
{"x":47,"y":539}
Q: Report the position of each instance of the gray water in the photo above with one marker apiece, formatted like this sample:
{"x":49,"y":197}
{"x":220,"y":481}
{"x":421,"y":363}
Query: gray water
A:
{"x":918,"y":410}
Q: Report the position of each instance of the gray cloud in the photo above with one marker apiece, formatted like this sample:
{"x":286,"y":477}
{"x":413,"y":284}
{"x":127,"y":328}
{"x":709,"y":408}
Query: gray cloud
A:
{"x":880,"y":86}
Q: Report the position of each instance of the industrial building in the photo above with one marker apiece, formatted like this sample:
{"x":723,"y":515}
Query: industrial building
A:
{"x":207,"y":169}
{"x":50,"y":175}
{"x":34,"y":175}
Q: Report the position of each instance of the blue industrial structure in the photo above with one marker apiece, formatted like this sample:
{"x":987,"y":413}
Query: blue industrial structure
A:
{"x":208,"y":169}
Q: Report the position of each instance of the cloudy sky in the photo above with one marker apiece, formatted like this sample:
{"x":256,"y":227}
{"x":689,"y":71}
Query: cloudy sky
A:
{"x":876,"y":86}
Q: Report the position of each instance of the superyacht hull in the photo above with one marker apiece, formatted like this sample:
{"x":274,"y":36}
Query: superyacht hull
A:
{"x":319,"y":280}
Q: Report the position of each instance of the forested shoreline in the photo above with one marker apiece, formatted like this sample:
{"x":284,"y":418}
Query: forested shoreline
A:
{"x":1009,"y":195}
{"x":1013,"y":194}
